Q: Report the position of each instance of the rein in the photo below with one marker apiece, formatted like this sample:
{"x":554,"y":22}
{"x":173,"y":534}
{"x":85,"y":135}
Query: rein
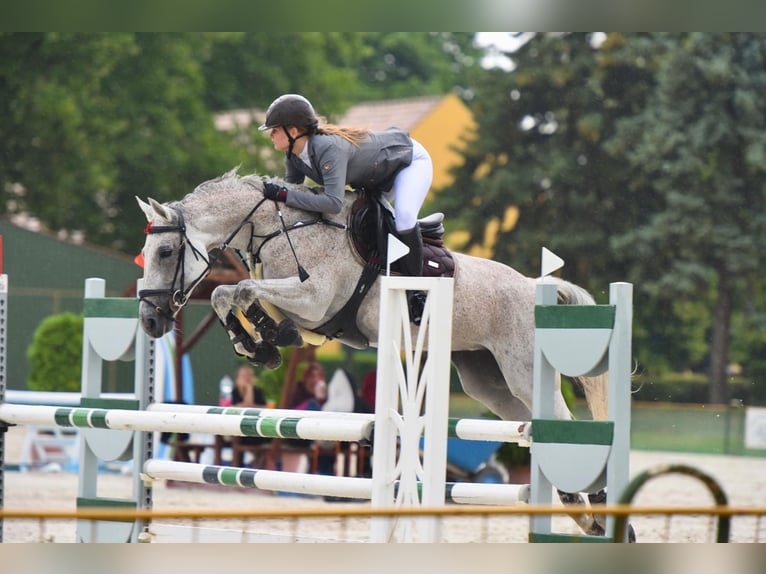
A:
{"x":178,"y":298}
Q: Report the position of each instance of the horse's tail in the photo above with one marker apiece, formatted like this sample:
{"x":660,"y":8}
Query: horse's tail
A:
{"x":595,"y":388}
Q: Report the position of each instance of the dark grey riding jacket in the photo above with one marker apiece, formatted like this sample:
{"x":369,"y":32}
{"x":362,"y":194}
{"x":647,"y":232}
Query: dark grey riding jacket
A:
{"x":336,"y":162}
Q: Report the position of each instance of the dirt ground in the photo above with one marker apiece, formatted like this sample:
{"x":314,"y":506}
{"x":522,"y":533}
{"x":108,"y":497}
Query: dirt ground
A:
{"x":743,"y":480}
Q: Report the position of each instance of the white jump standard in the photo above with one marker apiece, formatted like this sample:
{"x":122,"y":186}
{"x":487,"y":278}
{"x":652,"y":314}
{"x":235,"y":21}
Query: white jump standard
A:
{"x":581,"y":456}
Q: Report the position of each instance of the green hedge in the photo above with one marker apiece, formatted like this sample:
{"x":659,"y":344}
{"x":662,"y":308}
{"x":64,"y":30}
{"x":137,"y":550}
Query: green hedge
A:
{"x":55,"y":355}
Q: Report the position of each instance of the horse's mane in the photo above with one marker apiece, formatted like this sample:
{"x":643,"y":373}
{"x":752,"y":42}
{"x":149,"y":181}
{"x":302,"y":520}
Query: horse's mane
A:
{"x":232,"y":180}
{"x":224,"y":181}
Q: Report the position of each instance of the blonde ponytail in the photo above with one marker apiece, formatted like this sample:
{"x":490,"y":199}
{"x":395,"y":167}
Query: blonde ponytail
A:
{"x":353,"y":135}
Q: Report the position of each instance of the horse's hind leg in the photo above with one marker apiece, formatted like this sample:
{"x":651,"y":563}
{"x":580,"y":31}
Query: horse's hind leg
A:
{"x":587,"y":522}
{"x":482,"y":380}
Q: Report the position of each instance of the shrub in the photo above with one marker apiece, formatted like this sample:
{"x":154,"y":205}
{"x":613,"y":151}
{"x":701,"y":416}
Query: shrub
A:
{"x":55,"y":355}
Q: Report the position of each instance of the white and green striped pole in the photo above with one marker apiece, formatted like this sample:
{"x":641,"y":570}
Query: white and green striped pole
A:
{"x":466,"y":429}
{"x":321,"y":485}
{"x":308,"y":428}
{"x":3,"y":383}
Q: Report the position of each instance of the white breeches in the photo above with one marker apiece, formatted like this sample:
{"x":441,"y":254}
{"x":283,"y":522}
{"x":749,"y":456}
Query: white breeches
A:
{"x":410,"y":188}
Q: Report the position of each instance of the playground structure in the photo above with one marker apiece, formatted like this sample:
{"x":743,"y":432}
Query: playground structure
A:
{"x":115,"y":429}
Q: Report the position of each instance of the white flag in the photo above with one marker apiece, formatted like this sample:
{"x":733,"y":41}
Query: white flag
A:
{"x":396,"y":250}
{"x":550,"y":262}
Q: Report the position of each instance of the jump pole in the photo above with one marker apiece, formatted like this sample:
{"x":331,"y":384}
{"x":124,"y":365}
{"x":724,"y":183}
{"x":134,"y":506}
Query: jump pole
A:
{"x":467,"y":429}
{"x":175,"y":422}
{"x":321,"y":485}
{"x":3,"y":381}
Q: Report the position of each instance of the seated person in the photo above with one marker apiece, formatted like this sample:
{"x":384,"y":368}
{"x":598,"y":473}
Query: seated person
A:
{"x":311,"y":391}
{"x":247,"y":394}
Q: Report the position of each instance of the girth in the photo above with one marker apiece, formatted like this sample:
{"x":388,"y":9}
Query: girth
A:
{"x":370,"y":222}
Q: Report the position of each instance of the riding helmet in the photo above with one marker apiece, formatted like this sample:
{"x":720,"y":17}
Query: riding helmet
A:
{"x":290,"y":110}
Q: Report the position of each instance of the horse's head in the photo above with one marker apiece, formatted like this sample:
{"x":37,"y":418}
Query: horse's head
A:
{"x":174,"y":264}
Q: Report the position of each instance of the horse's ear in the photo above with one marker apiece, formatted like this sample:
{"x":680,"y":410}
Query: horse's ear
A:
{"x":146,"y":208}
{"x":160,"y":210}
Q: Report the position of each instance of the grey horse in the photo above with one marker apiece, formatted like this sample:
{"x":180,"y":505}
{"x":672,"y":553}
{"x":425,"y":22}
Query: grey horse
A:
{"x":310,"y":273}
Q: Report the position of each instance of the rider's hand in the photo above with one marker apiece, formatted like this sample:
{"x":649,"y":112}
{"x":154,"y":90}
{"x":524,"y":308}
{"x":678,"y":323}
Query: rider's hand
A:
{"x":274,"y":191}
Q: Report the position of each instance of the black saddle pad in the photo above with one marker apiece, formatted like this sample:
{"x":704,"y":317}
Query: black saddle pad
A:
{"x":371,"y":221}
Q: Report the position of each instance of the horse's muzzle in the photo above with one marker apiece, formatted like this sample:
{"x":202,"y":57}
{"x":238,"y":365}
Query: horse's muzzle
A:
{"x":154,"y":321}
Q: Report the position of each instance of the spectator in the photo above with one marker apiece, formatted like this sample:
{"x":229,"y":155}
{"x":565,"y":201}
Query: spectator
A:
{"x":246,"y":393}
{"x":311,"y":391}
{"x":367,"y":396}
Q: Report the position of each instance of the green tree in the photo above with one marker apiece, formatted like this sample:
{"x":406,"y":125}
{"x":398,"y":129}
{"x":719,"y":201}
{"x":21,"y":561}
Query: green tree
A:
{"x":55,"y":122}
{"x":406,"y":64}
{"x":700,"y":145}
{"x":539,"y":149}
{"x":55,"y":355}
{"x":249,"y":70}
{"x":90,"y":120}
{"x":169,"y":144}
{"x":635,"y":158}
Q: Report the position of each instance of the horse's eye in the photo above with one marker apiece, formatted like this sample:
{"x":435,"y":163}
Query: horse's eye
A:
{"x":165,"y":252}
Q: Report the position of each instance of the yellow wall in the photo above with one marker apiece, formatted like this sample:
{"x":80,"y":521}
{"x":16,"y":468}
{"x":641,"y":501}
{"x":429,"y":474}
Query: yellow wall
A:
{"x":440,"y":131}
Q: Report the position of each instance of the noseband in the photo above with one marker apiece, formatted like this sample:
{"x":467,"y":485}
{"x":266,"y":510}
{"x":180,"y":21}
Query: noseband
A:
{"x":177,"y":297}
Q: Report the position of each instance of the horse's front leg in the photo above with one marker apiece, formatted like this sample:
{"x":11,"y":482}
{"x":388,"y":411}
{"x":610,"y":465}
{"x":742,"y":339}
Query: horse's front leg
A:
{"x":282,"y":334}
{"x":258,"y":352}
{"x":305,"y":300}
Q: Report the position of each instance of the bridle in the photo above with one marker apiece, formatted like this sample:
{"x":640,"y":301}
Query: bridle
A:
{"x":178,"y":296}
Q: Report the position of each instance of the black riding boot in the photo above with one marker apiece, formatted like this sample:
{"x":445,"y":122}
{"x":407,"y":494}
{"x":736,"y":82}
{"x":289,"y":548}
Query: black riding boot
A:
{"x":412,"y":265}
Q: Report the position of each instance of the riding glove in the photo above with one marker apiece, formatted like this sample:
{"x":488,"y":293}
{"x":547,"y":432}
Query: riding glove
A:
{"x":274,"y":191}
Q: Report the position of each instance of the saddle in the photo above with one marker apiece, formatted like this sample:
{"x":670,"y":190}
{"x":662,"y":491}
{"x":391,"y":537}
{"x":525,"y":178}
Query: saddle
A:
{"x":371,"y":221}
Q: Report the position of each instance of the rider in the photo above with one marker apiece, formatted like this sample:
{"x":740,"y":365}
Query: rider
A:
{"x":389,"y":161}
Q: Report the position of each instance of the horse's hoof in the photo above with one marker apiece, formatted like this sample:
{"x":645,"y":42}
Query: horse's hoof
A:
{"x":288,"y":335}
{"x":597,"y":497}
{"x":599,"y":520}
{"x":416,"y":302}
{"x":266,"y":355}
